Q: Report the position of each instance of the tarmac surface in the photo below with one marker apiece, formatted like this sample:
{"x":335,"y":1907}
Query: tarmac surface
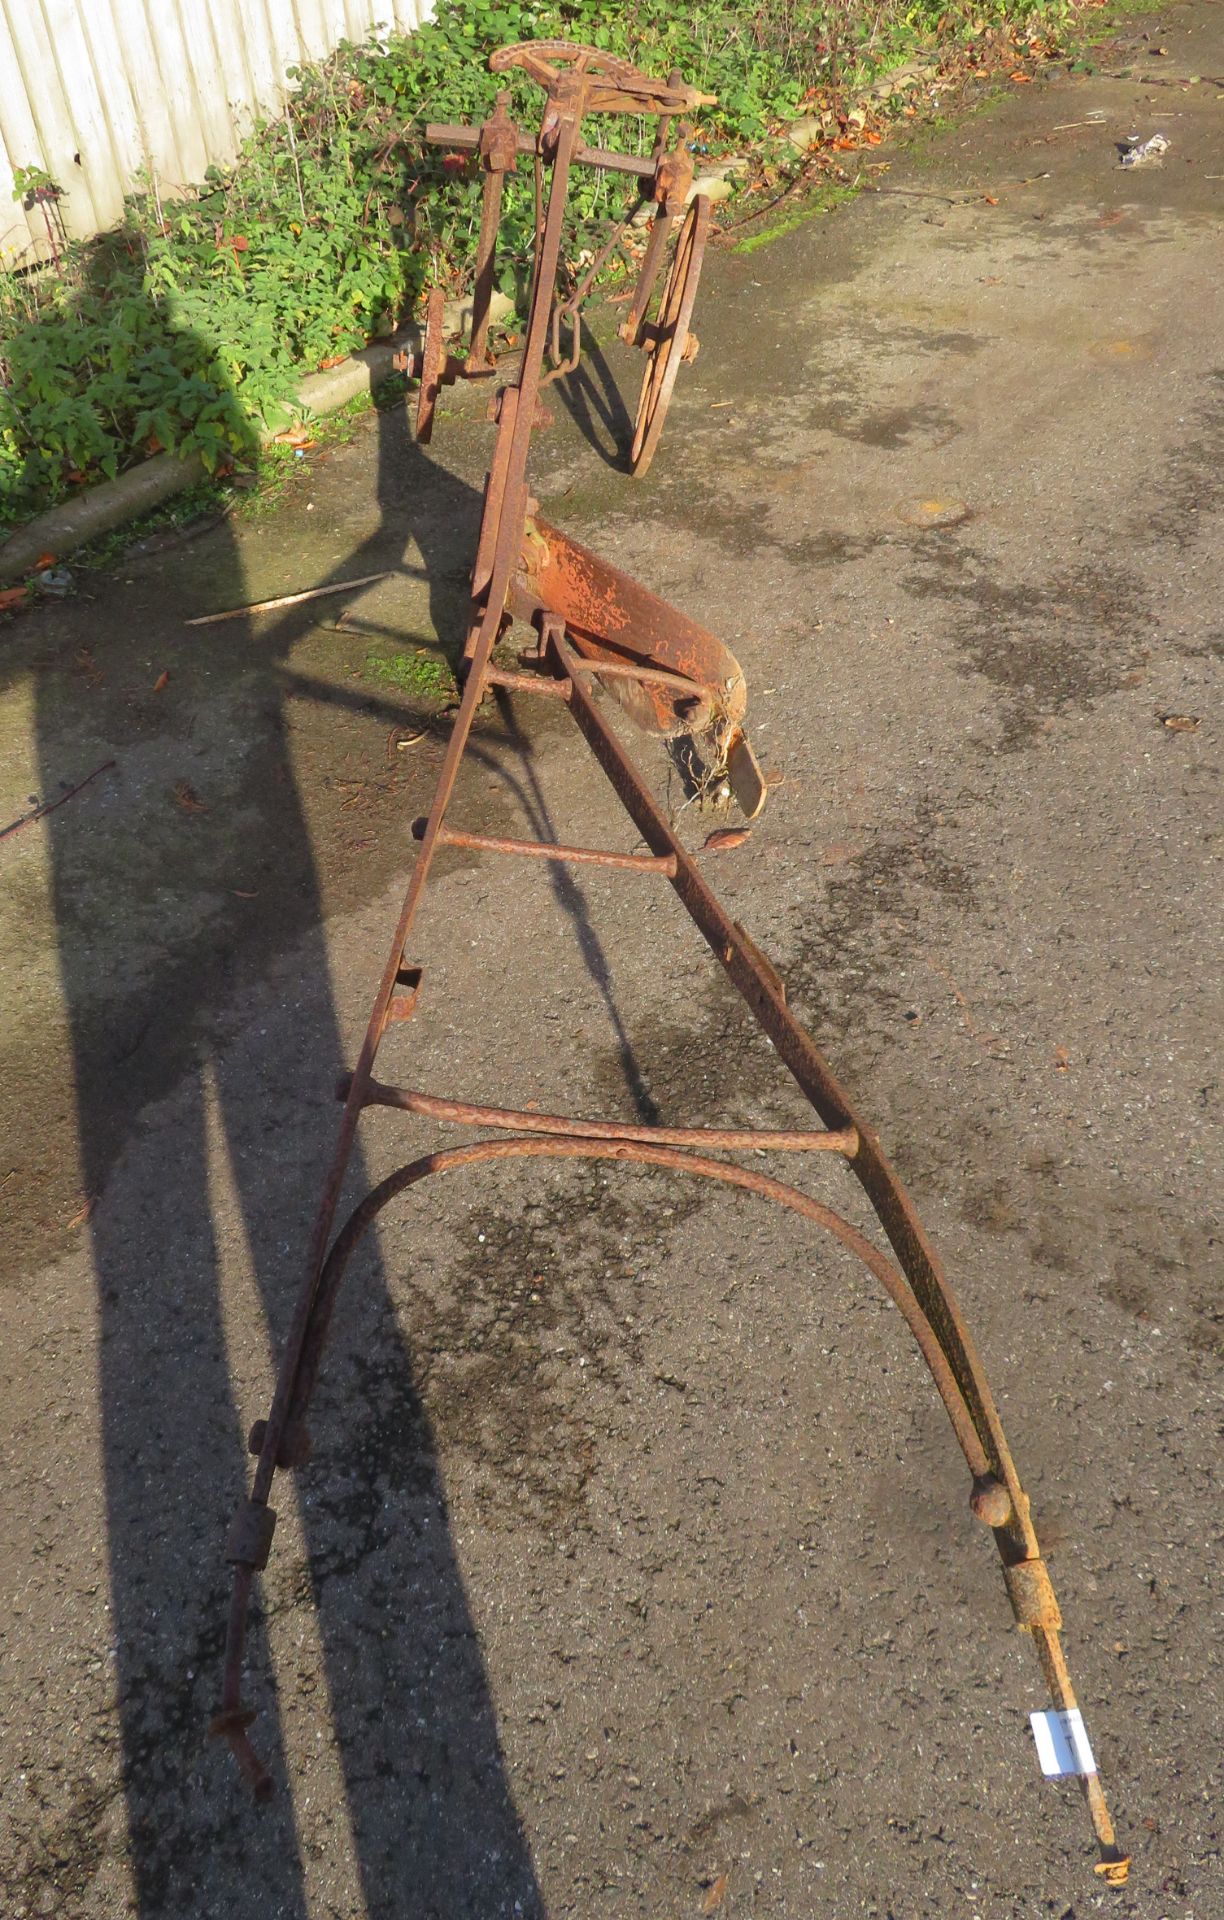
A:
{"x":633,"y":1572}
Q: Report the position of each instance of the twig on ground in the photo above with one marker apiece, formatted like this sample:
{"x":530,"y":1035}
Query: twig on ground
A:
{"x":38,"y":813}
{"x":287,"y":599}
{"x":802,"y":179}
{"x":1163,"y":80}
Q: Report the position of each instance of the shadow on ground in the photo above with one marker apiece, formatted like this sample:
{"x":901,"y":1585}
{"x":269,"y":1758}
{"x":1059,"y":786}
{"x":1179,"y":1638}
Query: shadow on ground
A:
{"x":432,"y":1819}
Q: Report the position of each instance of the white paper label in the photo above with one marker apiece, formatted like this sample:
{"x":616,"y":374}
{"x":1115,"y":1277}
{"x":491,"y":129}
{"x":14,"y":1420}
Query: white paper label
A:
{"x":1062,"y":1743}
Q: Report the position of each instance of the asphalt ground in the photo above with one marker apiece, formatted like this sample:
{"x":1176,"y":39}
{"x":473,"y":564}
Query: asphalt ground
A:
{"x":633,"y":1571}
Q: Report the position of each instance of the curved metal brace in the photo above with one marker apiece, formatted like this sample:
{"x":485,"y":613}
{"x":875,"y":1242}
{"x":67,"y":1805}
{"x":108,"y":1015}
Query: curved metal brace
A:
{"x":282,"y":1440}
{"x":672,"y":1160}
{"x":990,"y":1501}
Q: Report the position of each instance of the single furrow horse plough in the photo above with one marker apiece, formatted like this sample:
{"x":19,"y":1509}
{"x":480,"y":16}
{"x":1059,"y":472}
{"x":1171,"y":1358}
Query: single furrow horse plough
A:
{"x":595,"y":633}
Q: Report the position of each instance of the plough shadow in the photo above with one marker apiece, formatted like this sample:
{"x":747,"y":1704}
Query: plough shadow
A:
{"x":203,"y":1162}
{"x":593,"y":399}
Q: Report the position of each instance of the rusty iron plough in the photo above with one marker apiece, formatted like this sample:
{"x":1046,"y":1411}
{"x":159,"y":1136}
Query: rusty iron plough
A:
{"x":578,"y":79}
{"x":597,"y":630}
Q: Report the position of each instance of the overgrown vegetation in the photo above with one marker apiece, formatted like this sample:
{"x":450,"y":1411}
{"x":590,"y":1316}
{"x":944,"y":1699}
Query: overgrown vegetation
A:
{"x":192,"y":323}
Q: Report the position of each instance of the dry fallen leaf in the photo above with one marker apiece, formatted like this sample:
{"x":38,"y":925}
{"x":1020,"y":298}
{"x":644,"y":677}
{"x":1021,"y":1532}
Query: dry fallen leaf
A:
{"x":162,"y":681}
{"x":12,"y":599}
{"x":44,"y":561}
{"x":1062,"y":1060}
{"x":990,"y":199}
{"x":715,"y":1894}
{"x":79,"y":1218}
{"x":85,"y":663}
{"x":188,"y":799}
{"x":724,"y":838}
{"x":1180,"y":722}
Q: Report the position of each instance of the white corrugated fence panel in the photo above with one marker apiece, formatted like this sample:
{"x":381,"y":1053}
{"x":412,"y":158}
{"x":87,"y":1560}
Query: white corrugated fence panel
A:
{"x":98,"y":92}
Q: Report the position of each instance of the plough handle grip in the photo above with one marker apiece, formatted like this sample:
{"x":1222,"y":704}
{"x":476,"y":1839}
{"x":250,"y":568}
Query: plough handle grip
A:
{"x":614,"y":86}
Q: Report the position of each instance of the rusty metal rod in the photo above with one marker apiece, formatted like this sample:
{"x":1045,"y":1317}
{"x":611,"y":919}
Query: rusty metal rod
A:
{"x":233,"y":1720}
{"x":479,"y":360}
{"x":468,"y":139}
{"x":549,"y":850}
{"x":527,"y":683}
{"x":717,"y":1139}
{"x":657,"y":676}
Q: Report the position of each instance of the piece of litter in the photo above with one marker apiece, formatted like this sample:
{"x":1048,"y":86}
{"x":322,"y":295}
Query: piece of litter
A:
{"x":1138,"y":152}
{"x":1062,"y":1743}
{"x":55,"y":580}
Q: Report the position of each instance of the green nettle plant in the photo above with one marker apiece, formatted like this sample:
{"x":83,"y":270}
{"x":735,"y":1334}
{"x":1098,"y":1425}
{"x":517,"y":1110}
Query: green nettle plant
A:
{"x":190,"y":325}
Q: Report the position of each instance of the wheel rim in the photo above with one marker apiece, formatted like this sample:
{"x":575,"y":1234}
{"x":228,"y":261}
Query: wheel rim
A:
{"x":675,"y":311}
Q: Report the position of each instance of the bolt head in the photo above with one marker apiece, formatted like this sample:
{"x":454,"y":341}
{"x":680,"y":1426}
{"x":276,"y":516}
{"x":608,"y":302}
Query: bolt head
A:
{"x":990,"y":1501}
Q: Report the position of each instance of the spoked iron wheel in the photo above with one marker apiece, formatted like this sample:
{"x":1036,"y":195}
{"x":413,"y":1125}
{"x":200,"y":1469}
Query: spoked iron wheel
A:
{"x":668,"y":341}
